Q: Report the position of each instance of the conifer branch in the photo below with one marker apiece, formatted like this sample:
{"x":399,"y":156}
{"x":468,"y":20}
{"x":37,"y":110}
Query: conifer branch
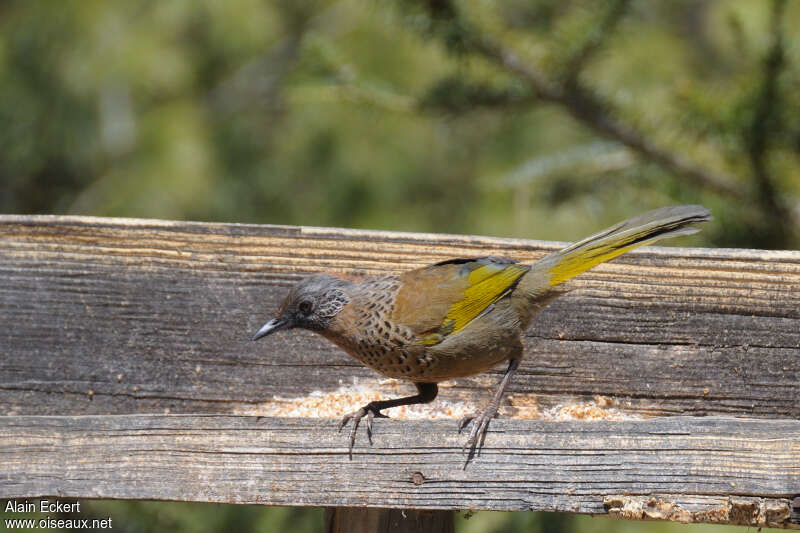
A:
{"x":595,"y":38}
{"x":588,"y":109}
{"x":766,"y":123}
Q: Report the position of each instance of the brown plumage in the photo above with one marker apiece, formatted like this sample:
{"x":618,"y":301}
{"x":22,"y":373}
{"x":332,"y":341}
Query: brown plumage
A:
{"x":455,"y":318}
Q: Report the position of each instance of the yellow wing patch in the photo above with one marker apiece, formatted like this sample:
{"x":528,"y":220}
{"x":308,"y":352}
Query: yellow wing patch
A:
{"x":486,"y":284}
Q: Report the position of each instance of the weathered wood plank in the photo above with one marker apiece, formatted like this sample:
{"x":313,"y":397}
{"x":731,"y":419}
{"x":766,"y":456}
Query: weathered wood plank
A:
{"x":129,"y":316}
{"x":686,"y":468}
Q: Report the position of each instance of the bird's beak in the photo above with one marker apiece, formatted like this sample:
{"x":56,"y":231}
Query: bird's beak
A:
{"x":271,"y":327}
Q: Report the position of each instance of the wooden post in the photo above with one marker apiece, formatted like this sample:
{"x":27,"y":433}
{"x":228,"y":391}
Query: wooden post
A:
{"x":361,"y":520}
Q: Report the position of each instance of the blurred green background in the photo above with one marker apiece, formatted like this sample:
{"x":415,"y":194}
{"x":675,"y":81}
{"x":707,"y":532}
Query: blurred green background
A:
{"x":543,"y":119}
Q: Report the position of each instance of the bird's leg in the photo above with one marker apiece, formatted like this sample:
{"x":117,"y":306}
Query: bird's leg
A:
{"x":426,"y":393}
{"x":481,"y":420}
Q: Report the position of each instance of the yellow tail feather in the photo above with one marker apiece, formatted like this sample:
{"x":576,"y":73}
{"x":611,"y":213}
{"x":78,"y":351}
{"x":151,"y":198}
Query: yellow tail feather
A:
{"x":625,"y":236}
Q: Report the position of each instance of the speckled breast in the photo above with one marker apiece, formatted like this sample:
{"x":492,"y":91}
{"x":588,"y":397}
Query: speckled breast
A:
{"x":374,"y":339}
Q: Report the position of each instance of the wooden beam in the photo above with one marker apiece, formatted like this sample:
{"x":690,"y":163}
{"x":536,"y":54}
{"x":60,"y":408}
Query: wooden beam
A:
{"x":108,"y":324}
{"x":101,"y":316}
{"x":681,"y":468}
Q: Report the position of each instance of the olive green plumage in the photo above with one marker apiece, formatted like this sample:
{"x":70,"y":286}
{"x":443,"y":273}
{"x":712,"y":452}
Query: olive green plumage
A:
{"x":458,"y":317}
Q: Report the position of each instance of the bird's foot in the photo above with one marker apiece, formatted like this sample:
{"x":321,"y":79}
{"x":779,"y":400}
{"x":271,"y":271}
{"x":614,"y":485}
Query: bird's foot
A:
{"x":480,"y":423}
{"x":369,"y":411}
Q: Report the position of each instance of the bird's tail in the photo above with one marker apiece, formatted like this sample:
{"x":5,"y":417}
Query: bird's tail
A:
{"x":646,"y":228}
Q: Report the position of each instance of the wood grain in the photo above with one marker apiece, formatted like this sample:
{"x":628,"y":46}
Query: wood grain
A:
{"x":687,"y":468}
{"x":101,"y":316}
{"x":107,"y":324}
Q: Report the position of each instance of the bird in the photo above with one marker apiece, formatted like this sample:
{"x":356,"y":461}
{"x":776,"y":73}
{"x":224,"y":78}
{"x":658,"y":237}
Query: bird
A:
{"x":457,"y":317}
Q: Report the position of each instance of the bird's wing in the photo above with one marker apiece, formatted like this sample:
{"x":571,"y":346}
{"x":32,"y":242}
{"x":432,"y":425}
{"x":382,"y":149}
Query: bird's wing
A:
{"x":440,"y":299}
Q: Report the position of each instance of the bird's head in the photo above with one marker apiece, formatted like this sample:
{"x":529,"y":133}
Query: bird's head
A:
{"x":310,"y":304}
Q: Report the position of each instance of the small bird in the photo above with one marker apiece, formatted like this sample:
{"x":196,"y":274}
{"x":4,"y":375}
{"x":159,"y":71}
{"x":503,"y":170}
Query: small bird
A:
{"x":455,"y":318}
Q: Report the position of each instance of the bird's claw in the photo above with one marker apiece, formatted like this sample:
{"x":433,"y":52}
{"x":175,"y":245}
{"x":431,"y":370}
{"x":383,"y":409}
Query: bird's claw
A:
{"x":356,"y":416}
{"x":465,"y":420}
{"x":480,"y":424}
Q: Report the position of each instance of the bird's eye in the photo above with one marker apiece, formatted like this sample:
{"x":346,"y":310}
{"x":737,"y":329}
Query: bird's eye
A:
{"x":305,"y":307}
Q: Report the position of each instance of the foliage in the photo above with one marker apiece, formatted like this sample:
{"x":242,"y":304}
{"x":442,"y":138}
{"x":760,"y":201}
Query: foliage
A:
{"x":405,"y":115}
